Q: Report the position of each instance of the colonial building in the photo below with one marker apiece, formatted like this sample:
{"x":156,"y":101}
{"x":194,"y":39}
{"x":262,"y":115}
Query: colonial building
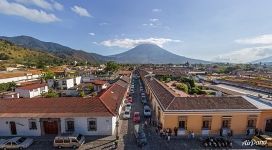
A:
{"x":51,"y":116}
{"x":206,"y":115}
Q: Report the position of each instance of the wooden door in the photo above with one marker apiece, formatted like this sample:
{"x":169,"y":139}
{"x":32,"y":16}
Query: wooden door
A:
{"x":13,"y":128}
{"x":50,"y":127}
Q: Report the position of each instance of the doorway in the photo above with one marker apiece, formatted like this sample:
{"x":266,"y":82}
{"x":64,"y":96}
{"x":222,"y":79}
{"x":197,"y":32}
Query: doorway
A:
{"x":13,"y":129}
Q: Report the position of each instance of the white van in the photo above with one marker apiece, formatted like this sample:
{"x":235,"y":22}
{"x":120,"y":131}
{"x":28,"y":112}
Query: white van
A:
{"x":69,"y":140}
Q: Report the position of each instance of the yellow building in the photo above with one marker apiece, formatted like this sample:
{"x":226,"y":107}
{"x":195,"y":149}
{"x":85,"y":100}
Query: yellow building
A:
{"x":235,"y":115}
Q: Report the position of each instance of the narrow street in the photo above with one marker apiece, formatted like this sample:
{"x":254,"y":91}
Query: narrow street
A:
{"x":126,"y":130}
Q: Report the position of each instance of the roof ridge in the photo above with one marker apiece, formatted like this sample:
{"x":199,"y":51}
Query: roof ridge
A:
{"x":103,"y":101}
{"x":170,"y":103}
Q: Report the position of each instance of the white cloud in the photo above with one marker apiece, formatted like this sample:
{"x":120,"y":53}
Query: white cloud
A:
{"x":130,"y":43}
{"x":48,"y":5}
{"x":103,"y":23}
{"x":154,"y":20}
{"x":11,"y":8}
{"x":92,"y":34}
{"x":262,"y":39}
{"x":81,"y":11}
{"x":246,"y":55}
{"x":156,"y":10}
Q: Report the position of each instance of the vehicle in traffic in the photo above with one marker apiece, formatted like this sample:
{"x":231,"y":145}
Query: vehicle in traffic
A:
{"x":16,"y":143}
{"x":128,"y":106}
{"x":136,"y":117}
{"x":147,"y":111}
{"x":129,"y":100}
{"x":143,"y":100}
{"x":126,"y":114}
{"x":139,"y":135}
{"x":263,"y":140}
{"x":69,"y":141}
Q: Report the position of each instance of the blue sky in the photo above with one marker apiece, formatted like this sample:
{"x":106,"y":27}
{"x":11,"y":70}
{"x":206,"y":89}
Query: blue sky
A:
{"x":225,"y":30}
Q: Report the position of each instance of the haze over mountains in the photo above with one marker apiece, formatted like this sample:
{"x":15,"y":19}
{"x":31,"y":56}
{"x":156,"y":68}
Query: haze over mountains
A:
{"x":141,"y":54}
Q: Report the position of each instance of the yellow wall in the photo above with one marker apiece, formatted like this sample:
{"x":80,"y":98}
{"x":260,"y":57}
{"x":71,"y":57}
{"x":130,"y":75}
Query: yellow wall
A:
{"x":194,"y":122}
{"x":266,"y":114}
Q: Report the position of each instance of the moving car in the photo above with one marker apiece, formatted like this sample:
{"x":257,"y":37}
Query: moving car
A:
{"x":16,"y":143}
{"x":128,"y":106}
{"x":143,"y":100}
{"x":69,"y":140}
{"x":129,"y":100}
{"x":126,"y":114}
{"x":263,"y":140}
{"x":139,"y":135}
{"x":136,"y":117}
{"x":147,"y":111}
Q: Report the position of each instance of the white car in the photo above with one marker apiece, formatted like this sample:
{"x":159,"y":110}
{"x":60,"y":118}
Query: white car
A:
{"x":147,"y":111}
{"x":128,"y":106}
{"x":16,"y":143}
{"x":126,"y":114}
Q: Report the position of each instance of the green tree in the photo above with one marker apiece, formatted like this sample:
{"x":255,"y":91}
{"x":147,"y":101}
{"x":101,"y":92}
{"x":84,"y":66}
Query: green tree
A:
{"x":51,"y":94}
{"x":48,"y":75}
{"x":112,"y":66}
{"x":183,"y":87}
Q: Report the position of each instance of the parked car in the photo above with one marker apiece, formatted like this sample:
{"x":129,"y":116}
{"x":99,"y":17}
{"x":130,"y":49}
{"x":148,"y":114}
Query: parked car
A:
{"x":126,"y":114}
{"x":147,"y":111}
{"x":263,"y":140}
{"x":131,"y":91}
{"x":69,"y":140}
{"x":143,"y":100}
{"x":136,"y":117}
{"x":129,"y":100}
{"x":139,"y":135}
{"x":128,"y":106}
{"x":16,"y":143}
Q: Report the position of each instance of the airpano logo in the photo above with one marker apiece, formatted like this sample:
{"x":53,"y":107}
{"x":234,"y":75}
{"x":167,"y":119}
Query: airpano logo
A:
{"x":253,"y":142}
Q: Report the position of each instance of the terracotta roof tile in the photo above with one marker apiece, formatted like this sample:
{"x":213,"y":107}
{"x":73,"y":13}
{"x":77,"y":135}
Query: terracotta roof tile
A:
{"x":32,"y":86}
{"x":63,"y":105}
{"x":99,"y":82}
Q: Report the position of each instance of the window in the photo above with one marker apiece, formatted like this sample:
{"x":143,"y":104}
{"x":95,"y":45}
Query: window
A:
{"x":206,"y":123}
{"x":66,"y":140}
{"x":58,"y":141}
{"x":70,"y":125}
{"x":251,"y":123}
{"x":32,"y":124}
{"x":226,"y":122}
{"x":74,"y":141}
{"x":182,"y":122}
{"x":92,"y":124}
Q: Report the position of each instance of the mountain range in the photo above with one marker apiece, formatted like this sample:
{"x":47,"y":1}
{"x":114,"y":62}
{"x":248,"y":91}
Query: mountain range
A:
{"x":141,"y":54}
{"x":267,"y":60}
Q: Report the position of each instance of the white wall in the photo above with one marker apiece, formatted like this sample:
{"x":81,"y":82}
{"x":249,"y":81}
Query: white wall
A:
{"x":31,"y":93}
{"x":22,"y":127}
{"x":104,"y":125}
{"x":15,"y":79}
{"x":77,"y":80}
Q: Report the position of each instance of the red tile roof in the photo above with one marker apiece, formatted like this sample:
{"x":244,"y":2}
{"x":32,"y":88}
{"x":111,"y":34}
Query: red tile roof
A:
{"x":32,"y":86}
{"x":99,"y":82}
{"x":50,"y":106}
{"x":112,"y":98}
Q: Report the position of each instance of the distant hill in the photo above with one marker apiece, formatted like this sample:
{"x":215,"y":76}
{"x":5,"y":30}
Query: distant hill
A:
{"x":55,"y":49}
{"x":152,"y":54}
{"x":267,"y":60}
{"x":10,"y":53}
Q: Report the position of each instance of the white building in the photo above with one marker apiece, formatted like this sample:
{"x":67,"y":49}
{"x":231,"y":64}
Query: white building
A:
{"x":8,"y":95}
{"x":42,"y":116}
{"x":17,"y":76}
{"x":65,"y":83}
{"x":99,"y":85}
{"x":32,"y":90}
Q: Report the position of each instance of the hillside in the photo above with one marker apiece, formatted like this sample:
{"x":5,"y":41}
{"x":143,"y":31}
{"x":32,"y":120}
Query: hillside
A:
{"x":10,"y":53}
{"x":152,"y":54}
{"x":55,"y":49}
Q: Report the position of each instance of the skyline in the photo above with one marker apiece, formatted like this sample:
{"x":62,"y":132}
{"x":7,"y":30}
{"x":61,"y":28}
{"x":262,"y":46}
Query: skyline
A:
{"x":208,"y":30}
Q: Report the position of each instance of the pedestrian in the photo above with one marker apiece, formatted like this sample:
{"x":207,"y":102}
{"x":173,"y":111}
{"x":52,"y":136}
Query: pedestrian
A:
{"x":193,"y":135}
{"x":248,"y":132}
{"x":176,"y":131}
{"x":168,"y":138}
{"x":189,"y":135}
{"x":170,"y":131}
{"x":161,"y":133}
{"x":156,"y":130}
